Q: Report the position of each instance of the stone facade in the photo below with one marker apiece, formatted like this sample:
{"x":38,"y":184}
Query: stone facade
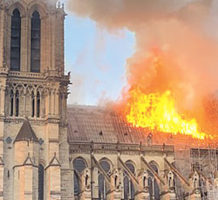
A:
{"x":49,"y":151}
{"x":38,"y":99}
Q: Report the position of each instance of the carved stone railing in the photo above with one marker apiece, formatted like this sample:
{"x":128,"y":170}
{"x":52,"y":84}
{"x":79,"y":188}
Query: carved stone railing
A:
{"x":26,"y":74}
{"x":44,"y":75}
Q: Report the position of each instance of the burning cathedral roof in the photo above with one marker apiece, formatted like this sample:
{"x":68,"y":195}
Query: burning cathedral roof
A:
{"x":103,"y":125}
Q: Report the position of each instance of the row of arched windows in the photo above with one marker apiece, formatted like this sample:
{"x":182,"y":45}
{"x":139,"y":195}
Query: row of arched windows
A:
{"x":15,"y":101}
{"x":80,"y":165}
{"x":15,"y":52}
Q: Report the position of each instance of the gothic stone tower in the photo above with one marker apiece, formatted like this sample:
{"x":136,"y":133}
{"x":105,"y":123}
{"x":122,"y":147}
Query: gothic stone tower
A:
{"x":34,"y":155}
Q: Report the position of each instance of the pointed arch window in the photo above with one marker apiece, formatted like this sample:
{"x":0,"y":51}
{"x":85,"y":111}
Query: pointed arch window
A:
{"x":33,"y":104}
{"x":35,"y":41}
{"x":38,"y":104}
{"x":153,"y":187}
{"x":129,"y":190}
{"x":12,"y":103}
{"x":79,"y":164}
{"x":15,"y":41}
{"x":17,"y":103}
{"x":41,"y":182}
{"x":102,"y":185}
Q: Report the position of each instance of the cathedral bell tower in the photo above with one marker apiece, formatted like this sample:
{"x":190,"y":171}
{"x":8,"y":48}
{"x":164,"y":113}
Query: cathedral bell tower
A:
{"x":34,"y":154}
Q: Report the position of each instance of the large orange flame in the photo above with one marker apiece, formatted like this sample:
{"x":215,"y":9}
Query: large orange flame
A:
{"x":158,"y":112}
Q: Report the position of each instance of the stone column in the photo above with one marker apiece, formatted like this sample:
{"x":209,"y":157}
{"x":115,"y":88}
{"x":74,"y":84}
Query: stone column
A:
{"x":95,"y":182}
{"x":14,"y":102}
{"x":24,"y":43}
{"x":143,"y":193}
{"x":55,"y":182}
{"x":1,"y":178}
{"x":115,"y":185}
{"x":86,"y":185}
{"x":28,"y":180}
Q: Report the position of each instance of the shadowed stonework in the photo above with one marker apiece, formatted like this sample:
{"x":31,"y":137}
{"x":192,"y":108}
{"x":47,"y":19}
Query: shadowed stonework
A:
{"x":49,"y":151}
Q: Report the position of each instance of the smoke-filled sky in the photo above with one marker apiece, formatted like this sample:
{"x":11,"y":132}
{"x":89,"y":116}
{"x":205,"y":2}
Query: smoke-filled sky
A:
{"x":163,"y":44}
{"x":175,"y":46}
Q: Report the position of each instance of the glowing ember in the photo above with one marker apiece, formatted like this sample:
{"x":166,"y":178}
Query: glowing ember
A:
{"x":158,"y":112}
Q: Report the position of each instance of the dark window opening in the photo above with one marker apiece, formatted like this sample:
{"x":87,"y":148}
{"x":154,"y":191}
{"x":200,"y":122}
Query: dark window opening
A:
{"x":102,"y":185}
{"x":41,"y":182}
{"x":15,"y":40}
{"x":17,"y":103}
{"x":76,"y":184}
{"x":38,"y":105}
{"x":35,"y":42}
{"x":153,"y":187}
{"x":33,"y":104}
{"x":12,"y":103}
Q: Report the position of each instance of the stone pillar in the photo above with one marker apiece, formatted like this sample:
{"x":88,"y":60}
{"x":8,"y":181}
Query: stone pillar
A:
{"x":170,"y":194}
{"x":86,"y":185}
{"x":24,"y":43}
{"x":1,"y":178}
{"x":19,"y":183}
{"x":66,"y":172}
{"x":28,"y":180}
{"x":194,"y":182}
{"x":2,"y":17}
{"x":115,"y":194}
{"x":35,"y":105}
{"x":143,"y":193}
{"x":54,"y":175}
{"x":95,"y":183}
{"x":3,"y":90}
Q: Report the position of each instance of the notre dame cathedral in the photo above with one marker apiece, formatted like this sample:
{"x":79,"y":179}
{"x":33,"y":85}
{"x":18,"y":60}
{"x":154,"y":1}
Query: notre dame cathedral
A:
{"x":49,"y":151}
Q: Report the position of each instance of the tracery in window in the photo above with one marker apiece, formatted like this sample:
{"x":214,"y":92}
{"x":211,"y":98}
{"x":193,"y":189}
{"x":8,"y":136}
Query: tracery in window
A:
{"x":154,"y":191}
{"x":79,"y":164}
{"x":129,"y":190}
{"x":102,"y":185}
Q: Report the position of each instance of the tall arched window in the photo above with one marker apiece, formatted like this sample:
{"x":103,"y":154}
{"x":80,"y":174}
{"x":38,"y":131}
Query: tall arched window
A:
{"x":38,"y":105}
{"x":102,"y":186}
{"x":154,"y":191}
{"x":12,"y":102}
{"x":35,"y":42}
{"x":129,"y":191}
{"x":17,"y":103}
{"x":15,"y":40}
{"x":79,"y":164}
{"x":33,"y":104}
{"x":41,"y":182}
